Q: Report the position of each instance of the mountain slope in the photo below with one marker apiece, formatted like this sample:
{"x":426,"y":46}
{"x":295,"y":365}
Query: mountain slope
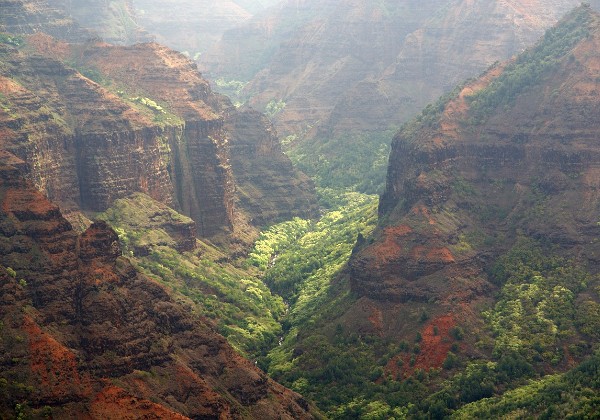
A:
{"x":85,"y":335}
{"x":148,"y":123}
{"x":189,"y":26}
{"x":483,"y":270}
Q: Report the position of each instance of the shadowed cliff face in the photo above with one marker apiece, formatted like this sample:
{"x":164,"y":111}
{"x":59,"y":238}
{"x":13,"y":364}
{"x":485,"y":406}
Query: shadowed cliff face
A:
{"x":148,"y":124}
{"x":115,"y":21}
{"x":87,"y":336}
{"x":349,"y":65}
{"x":73,"y":20}
{"x":514,"y":153}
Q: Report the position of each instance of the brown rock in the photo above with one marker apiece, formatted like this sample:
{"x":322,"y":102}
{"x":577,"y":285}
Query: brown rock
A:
{"x":74,"y":321}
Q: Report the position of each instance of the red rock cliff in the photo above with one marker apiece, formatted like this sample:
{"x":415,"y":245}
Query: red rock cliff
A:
{"x":150,"y":125}
{"x":514,"y":152}
{"x":84,"y":335}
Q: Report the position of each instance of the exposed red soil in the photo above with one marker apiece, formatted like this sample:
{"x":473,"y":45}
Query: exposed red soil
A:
{"x":434,"y":347}
{"x":442,"y":254}
{"x":376,"y":319}
{"x":388,"y":249}
{"x":33,"y":201}
{"x":115,"y":403}
{"x":54,"y":366}
{"x":45,"y":43}
{"x":421,"y":210}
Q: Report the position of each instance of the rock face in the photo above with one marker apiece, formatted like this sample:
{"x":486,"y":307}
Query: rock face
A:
{"x":73,"y":20}
{"x":31,"y":16}
{"x":514,"y":152}
{"x":84,"y":335}
{"x":345,"y":65}
{"x":150,"y":125}
{"x":115,"y":20}
{"x":266,"y":181}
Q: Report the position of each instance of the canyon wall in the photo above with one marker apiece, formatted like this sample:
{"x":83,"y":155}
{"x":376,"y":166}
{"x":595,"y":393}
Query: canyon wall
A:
{"x":345,"y":65}
{"x":148,"y":123}
{"x":84,"y":335}
{"x":514,"y":153}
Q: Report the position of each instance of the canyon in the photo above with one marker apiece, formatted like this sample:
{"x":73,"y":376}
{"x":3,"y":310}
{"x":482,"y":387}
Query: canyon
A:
{"x":346,"y":65}
{"x":162,"y":257}
{"x":490,"y":210}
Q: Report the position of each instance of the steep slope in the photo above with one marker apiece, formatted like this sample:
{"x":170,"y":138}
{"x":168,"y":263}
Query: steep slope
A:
{"x":30,"y":16}
{"x":115,"y":21}
{"x":520,"y":139}
{"x":84,"y":335}
{"x":342,"y":67}
{"x":87,"y":143}
{"x":483,"y":270}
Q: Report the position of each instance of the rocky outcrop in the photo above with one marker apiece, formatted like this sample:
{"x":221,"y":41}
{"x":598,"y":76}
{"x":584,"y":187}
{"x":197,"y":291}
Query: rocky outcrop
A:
{"x":149,"y":123}
{"x":266,"y":181}
{"x":515,"y":152}
{"x":85,"y":335}
{"x":153,"y":224}
{"x":31,"y":16}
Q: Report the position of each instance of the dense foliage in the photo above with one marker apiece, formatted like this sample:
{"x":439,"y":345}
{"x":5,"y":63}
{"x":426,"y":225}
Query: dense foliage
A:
{"x":574,"y":395}
{"x":355,"y":161}
{"x":528,"y":69}
{"x":543,"y":319}
{"x":302,"y":257}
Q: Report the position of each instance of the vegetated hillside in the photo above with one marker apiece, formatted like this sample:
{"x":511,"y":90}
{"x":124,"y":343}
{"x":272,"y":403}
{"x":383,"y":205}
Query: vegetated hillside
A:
{"x":329,"y":71}
{"x":96,"y":122}
{"x":482,"y":275}
{"x":193,"y":26}
{"x":162,"y":244}
{"x":85,"y":335}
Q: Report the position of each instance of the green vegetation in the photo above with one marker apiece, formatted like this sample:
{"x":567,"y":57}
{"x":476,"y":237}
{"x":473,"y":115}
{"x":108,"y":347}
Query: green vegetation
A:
{"x":535,"y":324}
{"x":353,"y":162}
{"x":529,"y":68}
{"x":274,"y":107}
{"x":308,"y":255}
{"x":573,"y":395}
{"x":10,"y":39}
{"x":231,"y":88}
{"x":340,"y":370}
{"x":243,"y":307}
{"x":535,"y":315}
{"x":148,"y":103}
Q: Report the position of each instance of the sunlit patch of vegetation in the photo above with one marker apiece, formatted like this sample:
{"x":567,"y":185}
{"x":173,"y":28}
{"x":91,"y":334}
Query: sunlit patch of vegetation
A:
{"x":244,"y":309}
{"x":274,"y":107}
{"x":10,"y":39}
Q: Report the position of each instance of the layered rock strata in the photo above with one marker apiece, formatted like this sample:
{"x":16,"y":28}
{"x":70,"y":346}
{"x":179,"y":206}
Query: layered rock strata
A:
{"x":84,"y":335}
{"x":347,"y":65}
{"x":149,"y":123}
{"x":514,"y":153}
